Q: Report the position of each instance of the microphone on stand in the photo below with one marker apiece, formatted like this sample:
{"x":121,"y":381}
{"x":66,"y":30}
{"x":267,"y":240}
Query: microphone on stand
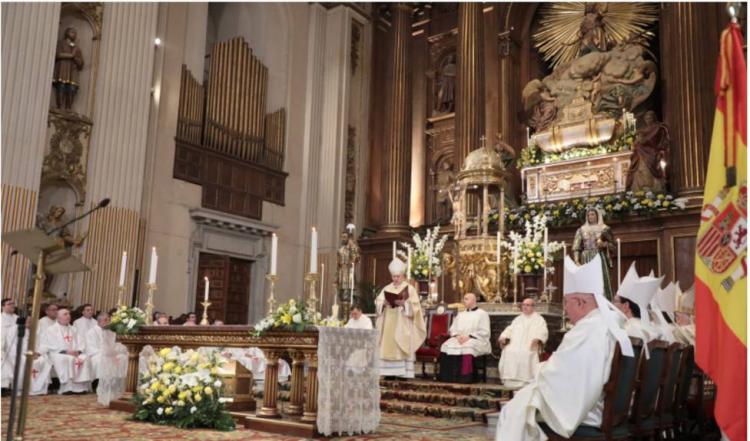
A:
{"x":103,"y":203}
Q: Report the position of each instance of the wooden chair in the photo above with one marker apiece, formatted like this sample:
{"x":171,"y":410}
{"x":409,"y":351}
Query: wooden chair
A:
{"x":480,"y":367}
{"x":618,"y":394}
{"x":667,"y":398}
{"x":651,"y":378}
{"x":687,"y":369}
{"x":438,"y":326}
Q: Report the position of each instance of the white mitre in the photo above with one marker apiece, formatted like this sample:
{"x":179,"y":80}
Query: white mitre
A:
{"x":664,"y":301}
{"x":640,"y":290}
{"x":589,"y":279}
{"x":397,"y":267}
{"x":685,"y":302}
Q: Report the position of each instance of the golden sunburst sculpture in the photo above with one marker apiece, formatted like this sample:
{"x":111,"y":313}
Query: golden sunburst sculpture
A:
{"x":568,"y":30}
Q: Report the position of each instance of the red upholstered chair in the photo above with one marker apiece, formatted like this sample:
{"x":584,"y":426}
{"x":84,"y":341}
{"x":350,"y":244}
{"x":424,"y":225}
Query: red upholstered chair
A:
{"x":438,"y":326}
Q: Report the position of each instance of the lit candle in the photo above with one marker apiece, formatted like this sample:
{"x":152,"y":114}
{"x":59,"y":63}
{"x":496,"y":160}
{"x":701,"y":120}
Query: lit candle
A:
{"x":152,"y":271}
{"x":314,"y":251}
{"x":205,"y":293}
{"x":394,"y":250}
{"x":123,"y":268}
{"x":408,"y":265}
{"x":619,"y":264}
{"x":322,"y":283}
{"x":274,"y":252}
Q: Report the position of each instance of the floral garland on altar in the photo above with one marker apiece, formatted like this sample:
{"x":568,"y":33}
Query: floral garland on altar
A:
{"x":183,"y":389}
{"x":290,"y":316}
{"x":561,"y":213}
{"x":532,"y":155}
{"x":425,"y":254}
{"x":126,"y":320}
{"x":528,"y":250}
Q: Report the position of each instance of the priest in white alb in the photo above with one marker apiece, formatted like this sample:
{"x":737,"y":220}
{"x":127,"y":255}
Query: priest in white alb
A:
{"x":520,"y":343}
{"x":662,"y":307}
{"x":109,"y":360}
{"x":684,"y":316}
{"x":400,"y":322}
{"x":86,"y":321}
{"x":65,"y":349}
{"x":9,"y":337}
{"x":50,"y":316}
{"x":357,"y":320}
{"x":568,"y":390}
{"x":633,"y":297}
{"x":470,"y":338}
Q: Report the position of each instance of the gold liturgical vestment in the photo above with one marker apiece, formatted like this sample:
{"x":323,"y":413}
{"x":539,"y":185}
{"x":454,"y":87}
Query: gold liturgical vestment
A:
{"x":402,"y":331}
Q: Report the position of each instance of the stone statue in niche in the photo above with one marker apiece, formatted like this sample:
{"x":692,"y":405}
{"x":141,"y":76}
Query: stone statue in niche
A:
{"x":347,"y":256}
{"x":650,"y":151}
{"x":456,"y":194}
{"x":446,"y":86}
{"x":51,"y":221}
{"x":444,"y":179}
{"x":539,"y":105}
{"x":68,"y":63}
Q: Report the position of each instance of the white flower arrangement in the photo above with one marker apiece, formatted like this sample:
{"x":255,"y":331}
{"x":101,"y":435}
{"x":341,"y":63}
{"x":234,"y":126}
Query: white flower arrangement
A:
{"x":289,"y":316}
{"x":425,"y":256}
{"x":127,"y":320}
{"x":527,"y":251}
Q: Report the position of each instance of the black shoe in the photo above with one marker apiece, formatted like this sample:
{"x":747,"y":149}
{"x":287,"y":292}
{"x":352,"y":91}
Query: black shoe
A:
{"x":70,"y":392}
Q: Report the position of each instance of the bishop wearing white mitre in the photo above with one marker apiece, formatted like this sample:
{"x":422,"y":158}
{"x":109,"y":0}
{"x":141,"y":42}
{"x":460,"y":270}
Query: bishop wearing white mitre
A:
{"x":520,"y":342}
{"x":568,"y":390}
{"x":663,"y":305}
{"x":65,"y":349}
{"x":684,"y":316}
{"x":400,"y":322}
{"x":632,"y":299}
{"x":470,"y":337}
{"x":109,"y":360}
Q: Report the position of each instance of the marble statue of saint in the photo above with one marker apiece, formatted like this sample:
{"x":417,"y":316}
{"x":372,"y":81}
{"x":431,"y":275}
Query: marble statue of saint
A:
{"x":446,"y":90}
{"x":442,"y":187}
{"x":68,"y":62}
{"x":539,"y":104}
{"x":459,"y":217}
{"x":348,"y":254}
{"x":650,"y":147}
{"x":594,"y":238}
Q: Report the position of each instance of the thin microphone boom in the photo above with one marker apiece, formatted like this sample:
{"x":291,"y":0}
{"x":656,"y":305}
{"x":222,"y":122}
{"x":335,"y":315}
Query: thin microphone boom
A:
{"x":103,"y":203}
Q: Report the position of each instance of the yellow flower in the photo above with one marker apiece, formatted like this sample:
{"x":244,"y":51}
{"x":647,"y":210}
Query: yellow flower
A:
{"x":660,"y":197}
{"x":155,"y":386}
{"x":168,"y":410}
{"x":665,"y":204}
{"x":213,"y":371}
{"x":182,"y":395}
{"x":164,"y":352}
{"x":177,"y":369}
{"x":167,"y":366}
{"x":197,"y":397}
{"x":530,"y":254}
{"x":286,"y":319}
{"x":196,"y":389}
{"x":160,"y":399}
{"x":538,"y":254}
{"x":207,"y":390}
{"x":180,"y":403}
{"x":527,"y":269}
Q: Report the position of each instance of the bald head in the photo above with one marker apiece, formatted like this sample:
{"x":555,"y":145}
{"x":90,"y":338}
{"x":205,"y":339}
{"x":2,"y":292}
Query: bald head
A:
{"x":578,"y":305}
{"x":527,"y":306}
{"x":470,"y":300}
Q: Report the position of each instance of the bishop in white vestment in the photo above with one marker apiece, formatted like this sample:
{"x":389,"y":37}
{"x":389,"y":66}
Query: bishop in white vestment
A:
{"x":87,"y":321}
{"x":470,"y":337}
{"x":65,"y":349}
{"x":400,"y":322}
{"x":662,"y":306}
{"x":633,"y":298}
{"x":568,"y":390}
{"x":520,"y":342}
{"x":684,"y":317}
{"x":357,"y":320}
{"x":109,"y":360}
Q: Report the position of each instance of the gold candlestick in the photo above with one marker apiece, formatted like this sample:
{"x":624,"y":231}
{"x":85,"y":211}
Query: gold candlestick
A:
{"x":120,"y":295}
{"x":204,"y":321}
{"x":150,"y":304}
{"x":271,"y":299}
{"x":312,"y":299}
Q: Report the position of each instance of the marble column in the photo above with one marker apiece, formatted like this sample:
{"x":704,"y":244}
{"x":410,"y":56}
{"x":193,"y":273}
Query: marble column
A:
{"x":470,"y":106}
{"x":398,"y":124}
{"x":29,"y":37}
{"x":689,"y":39}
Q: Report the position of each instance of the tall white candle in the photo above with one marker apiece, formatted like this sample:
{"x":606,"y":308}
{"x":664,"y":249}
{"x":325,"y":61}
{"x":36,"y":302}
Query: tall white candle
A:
{"x":322,"y":283}
{"x":152,"y":271}
{"x":351,"y":284}
{"x":205,"y":293}
{"x":314,"y":251}
{"x":394,"y":250}
{"x":619,"y":264}
{"x":123,"y":268}
{"x":408,"y":265}
{"x":274,"y":252}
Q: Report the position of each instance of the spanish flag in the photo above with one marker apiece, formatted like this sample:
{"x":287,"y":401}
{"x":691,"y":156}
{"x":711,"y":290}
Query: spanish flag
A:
{"x":721,"y":248}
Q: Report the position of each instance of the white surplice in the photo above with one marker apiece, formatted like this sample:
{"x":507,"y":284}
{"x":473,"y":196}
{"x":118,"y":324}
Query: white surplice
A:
{"x":475,"y":324}
{"x":635,"y":328}
{"x":84,"y":325}
{"x":75,"y":373}
{"x":41,"y":369}
{"x":109,"y":363}
{"x":44,"y":323}
{"x":685,"y":334}
{"x":568,"y":390}
{"x":363,"y":322}
{"x":9,"y":337}
{"x":518,"y":362}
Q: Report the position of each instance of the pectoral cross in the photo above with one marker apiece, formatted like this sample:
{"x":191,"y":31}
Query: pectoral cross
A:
{"x":68,"y":339}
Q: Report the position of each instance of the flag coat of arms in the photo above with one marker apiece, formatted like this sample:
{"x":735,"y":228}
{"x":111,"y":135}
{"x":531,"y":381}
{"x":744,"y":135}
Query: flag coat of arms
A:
{"x":721,"y":247}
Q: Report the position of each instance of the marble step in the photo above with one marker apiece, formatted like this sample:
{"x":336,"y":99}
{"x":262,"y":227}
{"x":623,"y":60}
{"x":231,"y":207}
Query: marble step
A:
{"x":446,"y":398}
{"x":434,"y":410}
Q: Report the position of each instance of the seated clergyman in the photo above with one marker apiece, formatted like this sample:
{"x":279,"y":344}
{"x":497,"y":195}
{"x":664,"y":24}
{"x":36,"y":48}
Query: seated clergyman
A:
{"x":109,"y":360}
{"x":65,"y":349}
{"x":357,"y":320}
{"x":568,"y":390}
{"x":520,"y":342}
{"x":470,"y":337}
{"x":632,"y":299}
{"x":683,"y":314}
